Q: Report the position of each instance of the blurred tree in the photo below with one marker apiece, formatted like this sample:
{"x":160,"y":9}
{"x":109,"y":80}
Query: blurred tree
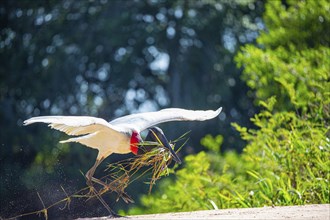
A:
{"x":110,"y":58}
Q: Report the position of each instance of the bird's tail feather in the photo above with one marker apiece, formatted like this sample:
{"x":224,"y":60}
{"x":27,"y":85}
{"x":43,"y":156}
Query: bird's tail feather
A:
{"x":85,"y":140}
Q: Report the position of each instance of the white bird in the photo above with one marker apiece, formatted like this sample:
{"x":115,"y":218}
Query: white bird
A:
{"x":121,"y":135}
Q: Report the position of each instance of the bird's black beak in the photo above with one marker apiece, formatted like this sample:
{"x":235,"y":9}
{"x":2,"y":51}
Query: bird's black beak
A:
{"x":158,"y":135}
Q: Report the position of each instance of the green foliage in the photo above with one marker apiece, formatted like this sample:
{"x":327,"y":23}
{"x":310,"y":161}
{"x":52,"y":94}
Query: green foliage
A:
{"x":286,"y":159}
{"x":212,"y":143}
{"x":292,"y":62}
{"x":290,"y":157}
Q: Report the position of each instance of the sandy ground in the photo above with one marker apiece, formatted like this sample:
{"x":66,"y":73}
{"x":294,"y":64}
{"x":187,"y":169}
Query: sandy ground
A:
{"x":319,"y":212}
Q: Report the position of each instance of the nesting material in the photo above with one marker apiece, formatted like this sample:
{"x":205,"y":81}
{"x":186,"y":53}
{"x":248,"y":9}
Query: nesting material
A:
{"x":154,"y":163}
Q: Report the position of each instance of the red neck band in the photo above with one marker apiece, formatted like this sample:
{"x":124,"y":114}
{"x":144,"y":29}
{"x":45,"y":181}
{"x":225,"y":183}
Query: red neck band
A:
{"x":135,"y":139}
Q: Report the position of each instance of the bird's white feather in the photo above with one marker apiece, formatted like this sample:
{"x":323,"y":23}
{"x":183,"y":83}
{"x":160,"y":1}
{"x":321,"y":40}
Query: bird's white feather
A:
{"x":142,"y":121}
{"x":97,"y":133}
{"x":69,"y":121}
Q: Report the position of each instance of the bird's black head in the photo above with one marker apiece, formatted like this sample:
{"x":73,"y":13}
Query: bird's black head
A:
{"x":157,"y":136}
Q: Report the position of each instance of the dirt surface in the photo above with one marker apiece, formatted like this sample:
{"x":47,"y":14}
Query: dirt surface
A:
{"x":321,"y":212}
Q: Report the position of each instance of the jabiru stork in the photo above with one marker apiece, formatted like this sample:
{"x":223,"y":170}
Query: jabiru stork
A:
{"x":121,"y":135}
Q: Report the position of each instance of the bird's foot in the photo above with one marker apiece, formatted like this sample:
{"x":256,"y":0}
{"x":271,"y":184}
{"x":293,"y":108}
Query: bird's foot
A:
{"x":99,"y":182}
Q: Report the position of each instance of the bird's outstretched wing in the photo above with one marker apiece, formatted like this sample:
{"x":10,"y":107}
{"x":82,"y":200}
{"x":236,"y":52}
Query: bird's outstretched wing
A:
{"x":142,"y":121}
{"x":94,"y":130}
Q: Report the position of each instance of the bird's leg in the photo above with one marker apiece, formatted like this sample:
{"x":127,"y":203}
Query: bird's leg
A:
{"x":89,"y":176}
{"x":90,"y":173}
{"x":90,"y":179}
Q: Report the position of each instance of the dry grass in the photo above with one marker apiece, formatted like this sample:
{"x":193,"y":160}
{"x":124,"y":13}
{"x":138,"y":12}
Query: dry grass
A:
{"x":154,"y":163}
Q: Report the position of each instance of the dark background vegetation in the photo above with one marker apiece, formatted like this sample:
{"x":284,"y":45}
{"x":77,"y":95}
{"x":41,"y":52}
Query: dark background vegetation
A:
{"x":108,"y":59}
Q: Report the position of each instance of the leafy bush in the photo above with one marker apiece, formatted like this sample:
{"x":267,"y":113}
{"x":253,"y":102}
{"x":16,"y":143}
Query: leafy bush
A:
{"x":286,"y":159}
